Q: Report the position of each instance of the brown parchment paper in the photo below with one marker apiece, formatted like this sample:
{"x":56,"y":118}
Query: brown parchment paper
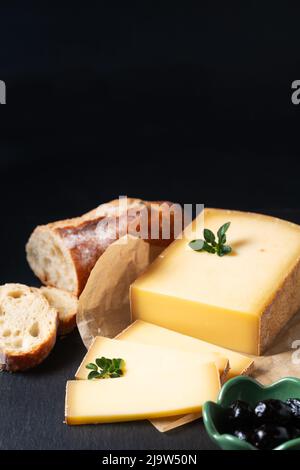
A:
{"x":104,"y":303}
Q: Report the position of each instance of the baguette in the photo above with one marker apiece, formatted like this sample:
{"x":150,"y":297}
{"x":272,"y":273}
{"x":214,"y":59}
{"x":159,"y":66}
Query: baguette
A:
{"x":66,"y":305}
{"x":28,"y":327}
{"x":62,"y":254}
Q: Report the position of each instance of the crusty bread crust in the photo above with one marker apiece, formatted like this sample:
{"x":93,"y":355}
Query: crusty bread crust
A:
{"x":66,"y":326}
{"x":79,"y":242}
{"x":23,"y":361}
{"x":21,"y":316}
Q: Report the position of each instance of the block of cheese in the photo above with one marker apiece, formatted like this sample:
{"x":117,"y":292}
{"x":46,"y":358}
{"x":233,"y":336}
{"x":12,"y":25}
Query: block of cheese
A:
{"x":162,"y":391}
{"x":149,"y":357}
{"x":239,"y":301}
{"x":148,"y":333}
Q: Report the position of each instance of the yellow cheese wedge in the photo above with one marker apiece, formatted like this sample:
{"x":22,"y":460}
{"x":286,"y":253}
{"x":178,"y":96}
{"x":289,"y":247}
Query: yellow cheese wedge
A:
{"x":147,"y":333}
{"x":145,"y":395}
{"x":239,"y":301}
{"x":149,"y":357}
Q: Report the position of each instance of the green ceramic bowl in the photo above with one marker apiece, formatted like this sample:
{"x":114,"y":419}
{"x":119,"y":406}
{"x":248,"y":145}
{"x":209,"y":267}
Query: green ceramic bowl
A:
{"x":247,"y":389}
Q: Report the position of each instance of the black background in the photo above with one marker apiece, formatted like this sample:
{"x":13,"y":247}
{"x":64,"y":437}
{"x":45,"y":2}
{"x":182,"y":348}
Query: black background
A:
{"x":188,"y":102}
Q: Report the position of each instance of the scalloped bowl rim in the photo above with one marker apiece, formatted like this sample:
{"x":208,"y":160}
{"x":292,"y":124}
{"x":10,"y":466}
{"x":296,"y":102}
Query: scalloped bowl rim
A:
{"x":217,"y":436}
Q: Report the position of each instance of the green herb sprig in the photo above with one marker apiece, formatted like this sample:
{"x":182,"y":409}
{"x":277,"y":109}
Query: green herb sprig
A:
{"x":104,"y":368}
{"x":210,"y":244}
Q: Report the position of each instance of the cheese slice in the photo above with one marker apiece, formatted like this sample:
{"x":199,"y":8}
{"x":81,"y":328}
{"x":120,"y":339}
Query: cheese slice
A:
{"x":148,"y":333}
{"x":149,"y":357}
{"x":239,"y":301}
{"x":164,"y":391}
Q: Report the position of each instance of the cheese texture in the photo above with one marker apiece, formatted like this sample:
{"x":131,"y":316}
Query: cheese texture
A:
{"x":152,"y":358}
{"x":147,"y":333}
{"x":239,"y":301}
{"x":143,"y":395}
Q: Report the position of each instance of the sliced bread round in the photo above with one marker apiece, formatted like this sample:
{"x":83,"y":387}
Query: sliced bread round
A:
{"x":28,"y":327}
{"x":66,"y":305}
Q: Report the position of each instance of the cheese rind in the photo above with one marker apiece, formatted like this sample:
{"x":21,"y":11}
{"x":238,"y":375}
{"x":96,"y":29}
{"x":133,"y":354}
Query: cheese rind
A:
{"x":152,"y":358}
{"x":239,"y":301}
{"x":141,"y":396}
{"x":148,"y":333}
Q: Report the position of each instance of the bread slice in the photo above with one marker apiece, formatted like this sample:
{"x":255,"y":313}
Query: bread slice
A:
{"x":62,"y":254}
{"x":66,"y":305}
{"x":28,"y":327}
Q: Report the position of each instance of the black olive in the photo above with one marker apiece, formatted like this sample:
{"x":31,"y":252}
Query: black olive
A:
{"x":242,"y":434}
{"x":240,"y":414}
{"x":268,"y":436}
{"x":294,"y":404}
{"x":273,"y":411}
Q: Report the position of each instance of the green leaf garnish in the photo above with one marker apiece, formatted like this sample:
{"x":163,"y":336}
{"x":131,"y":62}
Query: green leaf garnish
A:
{"x":209,"y":236}
{"x":117,"y":363}
{"x":209,"y":248}
{"x":101,"y":362}
{"x":196,"y":245}
{"x":223,"y":229}
{"x":225,"y":250}
{"x":91,"y":366}
{"x":210,"y":245}
{"x":105,"y":368}
{"x":93,"y":375}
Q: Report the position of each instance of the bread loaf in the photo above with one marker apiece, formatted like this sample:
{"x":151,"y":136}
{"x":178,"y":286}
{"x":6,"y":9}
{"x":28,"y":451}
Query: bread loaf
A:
{"x":66,"y":305}
{"x":28,"y":327}
{"x":62,"y":254}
